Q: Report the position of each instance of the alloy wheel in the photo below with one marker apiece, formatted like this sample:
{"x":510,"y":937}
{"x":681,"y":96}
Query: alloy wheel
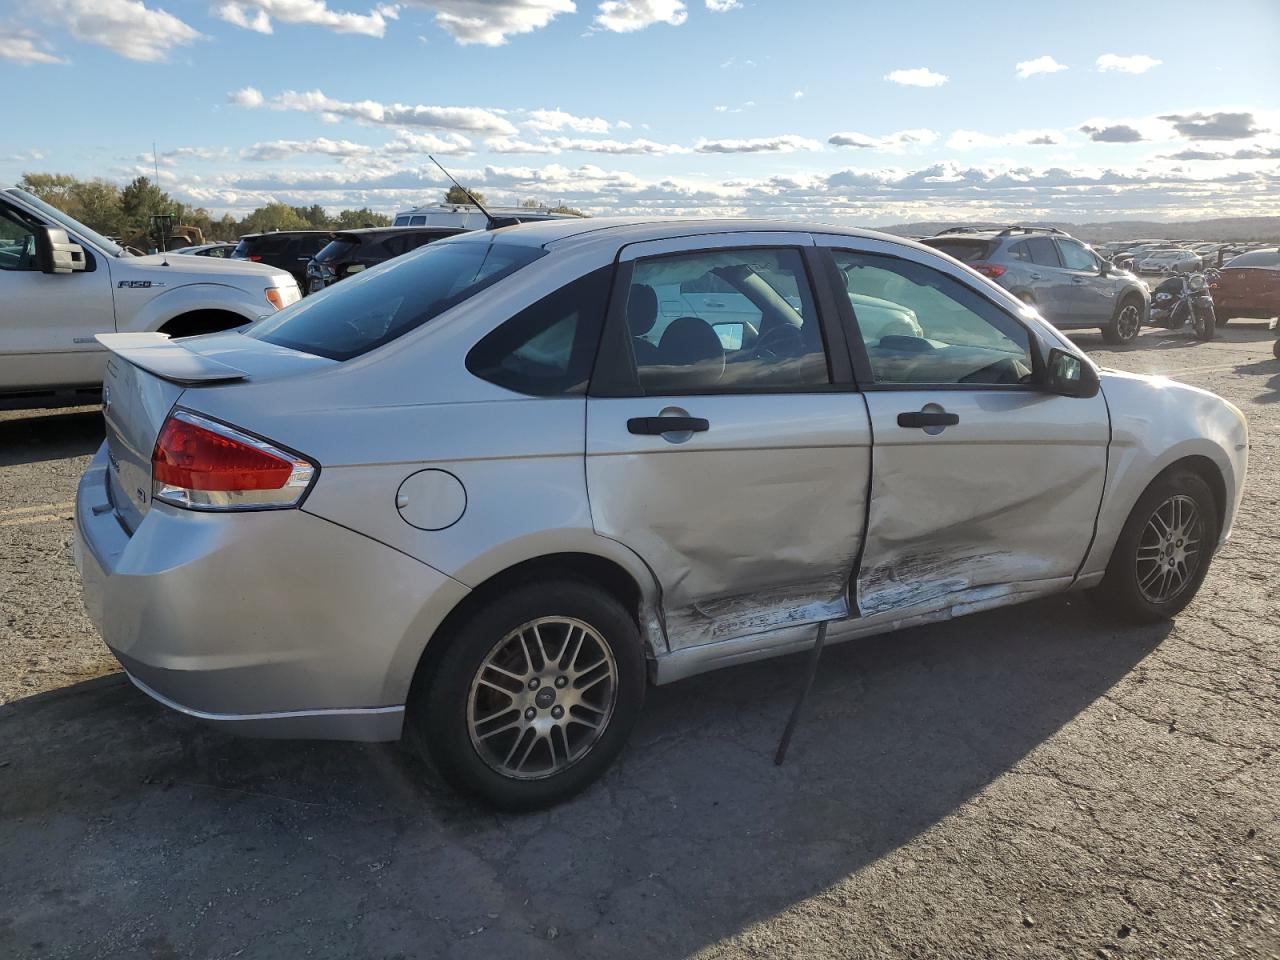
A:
{"x":1169,"y":550}
{"x":541,"y":698}
{"x":1128,"y":321}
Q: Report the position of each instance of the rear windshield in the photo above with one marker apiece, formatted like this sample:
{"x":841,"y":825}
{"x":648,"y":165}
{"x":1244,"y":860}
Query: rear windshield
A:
{"x":966,"y":251}
{"x":337,"y":249}
{"x":1256,"y":258}
{"x":377,"y":306}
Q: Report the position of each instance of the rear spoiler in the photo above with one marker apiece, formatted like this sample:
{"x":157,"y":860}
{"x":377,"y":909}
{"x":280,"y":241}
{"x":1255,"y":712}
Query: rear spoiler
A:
{"x":168,"y":359}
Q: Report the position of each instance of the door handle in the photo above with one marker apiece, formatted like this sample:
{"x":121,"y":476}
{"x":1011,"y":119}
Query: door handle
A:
{"x":656,"y":426}
{"x":1036,"y":276}
{"x":920,"y":418}
{"x":1077,"y":279}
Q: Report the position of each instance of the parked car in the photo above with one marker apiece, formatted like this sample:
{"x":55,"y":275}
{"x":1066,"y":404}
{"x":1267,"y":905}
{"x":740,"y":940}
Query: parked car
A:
{"x":217,"y":250}
{"x":289,"y":250}
{"x":1065,"y":280}
{"x":1249,"y":286}
{"x":62,"y":284}
{"x":474,"y":493}
{"x":1170,"y":261}
{"x":352,"y":251}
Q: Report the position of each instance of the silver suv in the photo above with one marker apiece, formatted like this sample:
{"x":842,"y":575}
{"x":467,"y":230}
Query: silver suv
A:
{"x":1071,"y":285}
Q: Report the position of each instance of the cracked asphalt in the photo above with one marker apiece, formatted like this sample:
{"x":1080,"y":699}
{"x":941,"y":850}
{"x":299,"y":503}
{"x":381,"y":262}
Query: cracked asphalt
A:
{"x":1031,"y":782}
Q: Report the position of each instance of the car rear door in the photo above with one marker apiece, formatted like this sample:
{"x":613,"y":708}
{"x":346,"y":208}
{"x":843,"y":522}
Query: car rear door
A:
{"x":983,"y":486}
{"x":1050,"y":284}
{"x":736,"y":468}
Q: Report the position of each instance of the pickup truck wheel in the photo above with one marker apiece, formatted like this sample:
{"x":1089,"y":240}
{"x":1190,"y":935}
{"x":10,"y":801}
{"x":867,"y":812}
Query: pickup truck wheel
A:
{"x":534,"y":696}
{"x":1125,"y":325}
{"x":1163,"y":552}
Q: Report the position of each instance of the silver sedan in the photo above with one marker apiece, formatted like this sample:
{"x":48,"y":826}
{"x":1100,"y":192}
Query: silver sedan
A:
{"x":491,"y":490}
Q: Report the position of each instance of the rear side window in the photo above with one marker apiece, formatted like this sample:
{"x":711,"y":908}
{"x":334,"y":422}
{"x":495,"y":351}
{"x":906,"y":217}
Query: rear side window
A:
{"x":966,"y":251}
{"x":547,"y":349}
{"x":1042,"y":251}
{"x":1257,"y":258}
{"x":337,"y":249}
{"x":377,"y":306}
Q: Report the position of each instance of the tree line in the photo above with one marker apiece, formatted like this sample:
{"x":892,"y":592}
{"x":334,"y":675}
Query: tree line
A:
{"x":127,"y":211}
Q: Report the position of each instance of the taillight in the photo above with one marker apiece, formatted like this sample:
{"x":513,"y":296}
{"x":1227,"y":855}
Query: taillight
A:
{"x":991,"y":270}
{"x":254,"y":257}
{"x":201,"y":464}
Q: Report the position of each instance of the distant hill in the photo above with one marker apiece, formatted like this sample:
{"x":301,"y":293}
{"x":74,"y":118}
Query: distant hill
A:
{"x":1224,"y":228}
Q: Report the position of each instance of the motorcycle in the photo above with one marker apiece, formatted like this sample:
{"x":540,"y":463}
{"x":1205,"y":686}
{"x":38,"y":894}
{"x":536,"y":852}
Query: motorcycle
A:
{"x":1184,"y":300}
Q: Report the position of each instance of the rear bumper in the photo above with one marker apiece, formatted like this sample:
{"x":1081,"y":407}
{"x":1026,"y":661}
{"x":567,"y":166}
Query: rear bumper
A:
{"x":273,"y":623}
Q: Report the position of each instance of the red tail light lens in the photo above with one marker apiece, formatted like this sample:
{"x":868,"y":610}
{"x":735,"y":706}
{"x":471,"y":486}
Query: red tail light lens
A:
{"x":254,"y":257}
{"x":201,"y":464}
{"x":991,"y":270}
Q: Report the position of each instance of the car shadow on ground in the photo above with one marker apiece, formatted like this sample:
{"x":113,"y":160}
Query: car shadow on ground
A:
{"x":127,"y":810}
{"x":49,"y":436}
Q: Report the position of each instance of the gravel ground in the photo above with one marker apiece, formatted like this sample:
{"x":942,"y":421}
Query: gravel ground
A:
{"x":1032,"y":782}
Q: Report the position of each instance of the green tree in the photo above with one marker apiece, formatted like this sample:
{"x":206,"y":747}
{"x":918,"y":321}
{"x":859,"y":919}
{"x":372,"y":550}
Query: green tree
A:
{"x":226,"y":229}
{"x":96,"y":203}
{"x":456,"y":194}
{"x":274,"y":216}
{"x":52,"y":188}
{"x":315,"y":215}
{"x":364,"y":217}
{"x":140,"y":200}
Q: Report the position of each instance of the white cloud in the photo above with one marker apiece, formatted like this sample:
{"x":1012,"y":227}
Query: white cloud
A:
{"x":786,"y":143}
{"x":637,"y":147}
{"x":893,"y":141}
{"x":797,"y":95}
{"x":1045,"y":64}
{"x":971,"y":139}
{"x":257,"y":15}
{"x":722,"y":6}
{"x":465,"y":119}
{"x":23,"y":46}
{"x":128,"y":27}
{"x":406,"y":143}
{"x":246,"y":97}
{"x":625,"y":16}
{"x":492,"y":22}
{"x":555,"y":120}
{"x":917,"y":77}
{"x":516,"y":145}
{"x":1138,"y":63}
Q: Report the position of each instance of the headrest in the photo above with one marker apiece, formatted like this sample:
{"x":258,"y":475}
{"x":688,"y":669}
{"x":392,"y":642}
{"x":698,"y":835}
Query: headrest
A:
{"x":642,"y":309}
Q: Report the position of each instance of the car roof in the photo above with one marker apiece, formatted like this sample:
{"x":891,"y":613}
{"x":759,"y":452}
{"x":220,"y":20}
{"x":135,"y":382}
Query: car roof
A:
{"x":620,"y":231}
{"x":280,"y":233}
{"x":369,"y":231}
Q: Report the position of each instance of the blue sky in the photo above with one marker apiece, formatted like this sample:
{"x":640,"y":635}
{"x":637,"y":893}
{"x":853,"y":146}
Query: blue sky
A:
{"x":827,"y":109}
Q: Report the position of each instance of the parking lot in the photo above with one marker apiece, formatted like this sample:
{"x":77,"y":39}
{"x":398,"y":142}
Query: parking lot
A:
{"x":1035,"y":781}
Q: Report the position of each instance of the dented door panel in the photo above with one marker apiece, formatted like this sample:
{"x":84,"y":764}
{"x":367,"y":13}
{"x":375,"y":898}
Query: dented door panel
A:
{"x":1008,"y":495}
{"x":749,"y":526}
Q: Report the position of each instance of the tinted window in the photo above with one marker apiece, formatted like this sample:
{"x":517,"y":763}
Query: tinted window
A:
{"x":417,"y":221}
{"x":1257,"y":258}
{"x":1076,"y":257}
{"x":379,"y":305}
{"x":401,"y":221}
{"x":1042,"y":251}
{"x":337,"y":249}
{"x":548,"y":348}
{"x":724,"y":320}
{"x":958,"y":336}
{"x":394,"y":246}
{"x":17,"y":242}
{"x":966,"y":251}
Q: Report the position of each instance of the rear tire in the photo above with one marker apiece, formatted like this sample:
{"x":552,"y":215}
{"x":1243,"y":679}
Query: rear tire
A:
{"x":1164,"y":550}
{"x":1125,"y":325}
{"x":506,"y":715}
{"x":1223,"y":319}
{"x":1275,"y":349}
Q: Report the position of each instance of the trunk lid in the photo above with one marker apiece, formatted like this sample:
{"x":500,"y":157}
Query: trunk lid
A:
{"x":146,"y":376}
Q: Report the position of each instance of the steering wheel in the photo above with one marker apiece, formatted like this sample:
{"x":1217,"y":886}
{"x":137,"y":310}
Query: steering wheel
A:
{"x":779,"y":342}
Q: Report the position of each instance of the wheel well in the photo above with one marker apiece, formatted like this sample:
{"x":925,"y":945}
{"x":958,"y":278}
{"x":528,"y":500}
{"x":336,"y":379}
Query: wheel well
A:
{"x":1129,"y":296}
{"x":1207,"y":471}
{"x":598,"y":571}
{"x":202,"y":321}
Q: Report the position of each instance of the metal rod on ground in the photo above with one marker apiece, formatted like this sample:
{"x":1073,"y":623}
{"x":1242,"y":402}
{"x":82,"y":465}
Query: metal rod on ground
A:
{"x":812,"y":672}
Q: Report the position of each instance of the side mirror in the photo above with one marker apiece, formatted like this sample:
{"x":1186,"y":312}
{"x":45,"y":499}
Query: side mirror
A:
{"x":55,"y":253}
{"x":1104,"y":267}
{"x":1068,"y":376}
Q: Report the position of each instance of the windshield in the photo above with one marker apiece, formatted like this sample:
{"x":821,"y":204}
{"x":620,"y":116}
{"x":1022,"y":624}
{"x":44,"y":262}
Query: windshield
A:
{"x":74,"y":226}
{"x":379,"y":305}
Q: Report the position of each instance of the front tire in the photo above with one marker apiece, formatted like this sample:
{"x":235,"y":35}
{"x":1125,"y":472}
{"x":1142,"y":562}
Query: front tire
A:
{"x":535,"y":695}
{"x":1163,"y":552}
{"x":1124,"y":326}
{"x":1204,"y":323}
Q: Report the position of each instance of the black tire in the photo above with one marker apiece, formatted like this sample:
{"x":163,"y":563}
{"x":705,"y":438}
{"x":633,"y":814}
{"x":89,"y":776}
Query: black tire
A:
{"x":1121,"y":590}
{"x":1126,"y":324}
{"x":441,"y":714}
{"x":1205,"y":324}
{"x":1275,"y":349}
{"x":1223,"y":319}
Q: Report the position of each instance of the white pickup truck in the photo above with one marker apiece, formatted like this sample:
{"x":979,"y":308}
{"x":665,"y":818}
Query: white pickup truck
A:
{"x":61,"y":284}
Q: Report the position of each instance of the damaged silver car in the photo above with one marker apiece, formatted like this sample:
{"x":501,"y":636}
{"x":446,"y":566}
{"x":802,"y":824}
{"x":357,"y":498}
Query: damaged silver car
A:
{"x":489,"y":491}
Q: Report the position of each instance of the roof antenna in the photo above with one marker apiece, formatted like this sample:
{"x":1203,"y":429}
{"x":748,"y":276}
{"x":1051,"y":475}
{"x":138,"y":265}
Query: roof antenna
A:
{"x":494,"y":222}
{"x":155,"y":159}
